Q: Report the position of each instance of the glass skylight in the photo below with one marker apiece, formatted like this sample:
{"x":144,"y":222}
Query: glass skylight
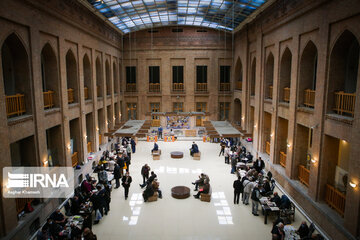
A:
{"x":131,"y":16}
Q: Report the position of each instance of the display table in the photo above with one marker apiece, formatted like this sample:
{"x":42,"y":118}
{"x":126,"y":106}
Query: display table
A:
{"x":177,"y":154}
{"x":180,"y":192}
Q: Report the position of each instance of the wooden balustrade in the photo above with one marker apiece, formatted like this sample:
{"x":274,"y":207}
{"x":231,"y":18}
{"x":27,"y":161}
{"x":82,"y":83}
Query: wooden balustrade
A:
{"x":131,"y":87}
{"x":335,"y":199}
{"x":224,"y":87}
{"x":271,"y":92}
{"x":304,"y":174}
{"x":155,"y":123}
{"x":15,"y":105}
{"x":199,"y":122}
{"x":89,"y":147}
{"x":74,"y":159}
{"x":49,"y":99}
{"x":98,"y":91}
{"x":100,"y":139}
{"x":70,"y":92}
{"x":154,"y":87}
{"x":286,"y":94}
{"x":21,"y":202}
{"x":239,"y":85}
{"x":282,"y":159}
{"x":345,"y":103}
{"x":267,"y":147}
{"x":86,"y":93}
{"x":178,"y":87}
{"x":201,"y":87}
{"x":309,"y":99}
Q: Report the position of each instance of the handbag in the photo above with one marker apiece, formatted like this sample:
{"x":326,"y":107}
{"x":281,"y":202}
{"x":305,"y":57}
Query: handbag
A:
{"x":98,"y":215}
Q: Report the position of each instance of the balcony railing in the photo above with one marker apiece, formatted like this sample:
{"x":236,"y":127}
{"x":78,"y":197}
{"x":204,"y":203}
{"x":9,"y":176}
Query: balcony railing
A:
{"x":345,"y":103}
{"x":155,"y":123}
{"x":89,"y":147}
{"x":131,"y":87}
{"x":48,"y":99}
{"x":304,"y":174}
{"x":21,"y":203}
{"x":224,"y":87}
{"x":282,"y":159}
{"x":100,"y":139}
{"x":74,"y":159}
{"x":309,"y":99}
{"x":286,"y":94}
{"x":86,"y":93}
{"x":178,"y":87}
{"x":15,"y":105}
{"x":335,"y":199}
{"x":267,"y":147}
{"x":154,"y":87}
{"x":201,"y":87}
{"x":239,"y":85}
{"x":270,"y":92}
{"x":199,"y":122}
{"x":70,"y":95}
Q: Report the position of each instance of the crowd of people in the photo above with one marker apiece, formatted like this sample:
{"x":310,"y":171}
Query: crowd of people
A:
{"x":253,"y":184}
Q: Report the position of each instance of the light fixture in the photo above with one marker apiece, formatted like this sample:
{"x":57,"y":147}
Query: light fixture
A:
{"x":255,"y":126}
{"x":85,"y":136}
{"x":352,"y":184}
{"x":243,"y":118}
{"x":272,"y":134}
{"x":97,"y":129}
{"x":288,"y":145}
{"x":69,"y":147}
{"x":313,"y":160}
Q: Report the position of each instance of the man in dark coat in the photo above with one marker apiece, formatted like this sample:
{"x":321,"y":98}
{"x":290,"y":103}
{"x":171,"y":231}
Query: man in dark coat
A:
{"x":133,"y":145}
{"x":117,"y":175}
{"x":238,"y":188}
{"x":126,"y":181}
{"x":259,"y":165}
{"x":150,"y":180}
{"x":194,"y":149}
{"x":145,"y":170}
{"x":156,"y":147}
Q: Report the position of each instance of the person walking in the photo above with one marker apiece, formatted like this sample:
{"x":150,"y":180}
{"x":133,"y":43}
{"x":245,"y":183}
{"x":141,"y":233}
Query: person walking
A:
{"x":145,"y":170}
{"x":160,"y":130}
{"x":222,"y":145}
{"x":117,"y":175}
{"x":233,"y":163}
{"x":255,"y":197}
{"x":238,"y":188}
{"x":126,"y":181}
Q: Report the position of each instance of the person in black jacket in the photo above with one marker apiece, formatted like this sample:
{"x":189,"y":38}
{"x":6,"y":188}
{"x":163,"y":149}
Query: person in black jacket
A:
{"x":276,"y":199}
{"x":259,"y":165}
{"x":238,"y":188}
{"x":117,"y":175}
{"x":126,"y":181}
{"x":303,"y":230}
{"x":149,"y":181}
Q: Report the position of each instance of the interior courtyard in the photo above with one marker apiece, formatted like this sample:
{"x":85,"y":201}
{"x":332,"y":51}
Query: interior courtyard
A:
{"x":280,"y":78}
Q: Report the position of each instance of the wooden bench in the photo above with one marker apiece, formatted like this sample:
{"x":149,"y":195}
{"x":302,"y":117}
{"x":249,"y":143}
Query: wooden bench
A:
{"x":153,"y":198}
{"x":206,"y":197}
{"x":196,"y":156}
{"x":156,"y":154}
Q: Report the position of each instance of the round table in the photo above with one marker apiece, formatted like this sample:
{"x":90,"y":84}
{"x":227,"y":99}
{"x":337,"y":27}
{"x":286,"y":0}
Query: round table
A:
{"x":180,"y":192}
{"x":177,"y":154}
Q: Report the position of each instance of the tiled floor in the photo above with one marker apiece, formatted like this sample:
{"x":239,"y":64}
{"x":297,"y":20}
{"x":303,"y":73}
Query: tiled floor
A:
{"x":170,"y":218}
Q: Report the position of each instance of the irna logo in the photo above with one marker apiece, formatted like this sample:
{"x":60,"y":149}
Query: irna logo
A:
{"x":19,"y":180}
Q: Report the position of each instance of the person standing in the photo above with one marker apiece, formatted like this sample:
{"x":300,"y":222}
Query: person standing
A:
{"x":145,"y":170}
{"x":126,"y":180}
{"x":117,"y":175}
{"x":259,"y":165}
{"x":238,"y":188}
{"x":160,"y":130}
{"x":227,"y":155}
{"x":222,"y":145}
{"x":255,"y":198}
{"x":233,"y":163}
{"x":133,"y":145}
{"x":128,"y":150}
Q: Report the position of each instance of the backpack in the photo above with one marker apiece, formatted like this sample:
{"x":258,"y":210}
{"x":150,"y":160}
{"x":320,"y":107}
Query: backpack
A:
{"x":253,"y":194}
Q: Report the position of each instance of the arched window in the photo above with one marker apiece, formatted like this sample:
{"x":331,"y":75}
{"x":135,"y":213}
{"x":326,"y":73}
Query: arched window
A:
{"x":87,"y":77}
{"x":307,"y":78}
{"x":108,"y":78}
{"x":344,"y":62}
{"x":16,"y":77}
{"x":99,"y":78}
{"x":269,"y":76}
{"x":238,"y":75}
{"x":285,"y":76}
{"x":253,"y":77}
{"x":50,"y":77}
{"x":71,"y":78}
